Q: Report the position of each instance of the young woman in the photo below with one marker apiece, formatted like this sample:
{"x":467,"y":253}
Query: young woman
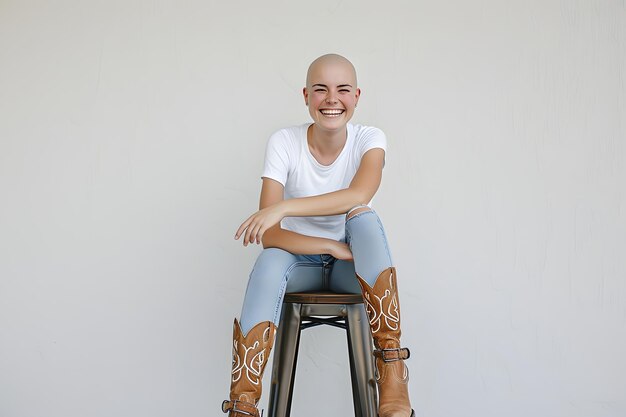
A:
{"x":318,"y":232}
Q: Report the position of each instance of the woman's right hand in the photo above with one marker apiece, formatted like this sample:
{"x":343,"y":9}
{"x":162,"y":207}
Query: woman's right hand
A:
{"x":340,"y":250}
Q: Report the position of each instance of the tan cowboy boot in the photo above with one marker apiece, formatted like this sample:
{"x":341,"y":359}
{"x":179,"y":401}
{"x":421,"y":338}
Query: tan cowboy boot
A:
{"x":392,"y":375}
{"x":250,"y":355}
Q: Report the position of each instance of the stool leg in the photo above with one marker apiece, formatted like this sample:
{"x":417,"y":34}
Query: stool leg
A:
{"x":285,"y":358}
{"x":361,"y":362}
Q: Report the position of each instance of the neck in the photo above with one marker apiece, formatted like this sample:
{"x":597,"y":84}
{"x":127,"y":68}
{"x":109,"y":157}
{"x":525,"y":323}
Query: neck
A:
{"x":327,"y":141}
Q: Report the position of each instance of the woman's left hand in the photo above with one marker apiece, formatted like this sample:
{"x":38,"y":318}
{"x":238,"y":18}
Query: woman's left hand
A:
{"x":254,"y":227}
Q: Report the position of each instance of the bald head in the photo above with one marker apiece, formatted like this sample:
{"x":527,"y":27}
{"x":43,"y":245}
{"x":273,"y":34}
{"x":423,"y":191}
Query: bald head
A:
{"x":329,"y":62}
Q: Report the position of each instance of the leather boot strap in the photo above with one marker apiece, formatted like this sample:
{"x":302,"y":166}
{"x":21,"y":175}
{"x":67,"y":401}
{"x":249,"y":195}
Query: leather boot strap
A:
{"x":392,"y":355}
{"x":241,"y":407}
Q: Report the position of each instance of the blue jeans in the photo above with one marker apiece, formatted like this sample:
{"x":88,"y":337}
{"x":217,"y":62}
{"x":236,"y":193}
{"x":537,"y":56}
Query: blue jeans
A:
{"x":277,"y":271}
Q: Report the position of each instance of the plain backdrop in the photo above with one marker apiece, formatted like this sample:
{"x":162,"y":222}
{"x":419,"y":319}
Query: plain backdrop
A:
{"x":131,"y":145}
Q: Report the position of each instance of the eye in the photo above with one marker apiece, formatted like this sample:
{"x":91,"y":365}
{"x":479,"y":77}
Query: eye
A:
{"x":320,"y":90}
{"x":343,"y":90}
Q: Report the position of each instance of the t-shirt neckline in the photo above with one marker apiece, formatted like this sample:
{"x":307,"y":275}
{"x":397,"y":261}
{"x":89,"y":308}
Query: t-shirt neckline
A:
{"x":305,"y":144}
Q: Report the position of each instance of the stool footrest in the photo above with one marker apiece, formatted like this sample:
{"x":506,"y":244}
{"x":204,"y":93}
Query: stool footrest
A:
{"x":308,"y":322}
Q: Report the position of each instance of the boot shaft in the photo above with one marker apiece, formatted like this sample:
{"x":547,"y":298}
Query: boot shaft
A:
{"x":392,"y":376}
{"x":383,"y":309}
{"x":250,"y":355}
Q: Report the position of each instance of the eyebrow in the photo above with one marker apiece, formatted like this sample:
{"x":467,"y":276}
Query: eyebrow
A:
{"x":325,"y":86}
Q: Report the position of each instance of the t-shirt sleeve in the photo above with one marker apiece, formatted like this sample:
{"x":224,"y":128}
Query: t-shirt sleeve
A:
{"x":372,"y":138}
{"x":276,"y":164}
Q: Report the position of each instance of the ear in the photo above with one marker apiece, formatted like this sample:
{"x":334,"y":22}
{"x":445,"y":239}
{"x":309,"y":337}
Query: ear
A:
{"x":305,"y":93}
{"x":358,"y":94}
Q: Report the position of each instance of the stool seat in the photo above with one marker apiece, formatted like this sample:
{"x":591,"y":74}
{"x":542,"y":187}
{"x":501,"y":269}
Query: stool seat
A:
{"x":323,"y":298}
{"x":306,"y":310}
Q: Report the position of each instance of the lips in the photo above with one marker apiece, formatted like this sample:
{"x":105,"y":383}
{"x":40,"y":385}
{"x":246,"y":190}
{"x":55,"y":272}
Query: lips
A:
{"x":332,"y":112}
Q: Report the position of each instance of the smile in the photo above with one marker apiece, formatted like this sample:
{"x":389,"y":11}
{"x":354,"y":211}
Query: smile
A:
{"x":332,"y":112}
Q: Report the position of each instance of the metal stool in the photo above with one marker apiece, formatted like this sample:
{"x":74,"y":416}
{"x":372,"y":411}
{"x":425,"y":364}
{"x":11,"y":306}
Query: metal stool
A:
{"x":305,"y":310}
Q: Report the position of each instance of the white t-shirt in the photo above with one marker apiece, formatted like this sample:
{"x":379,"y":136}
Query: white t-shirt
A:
{"x":289,"y":161}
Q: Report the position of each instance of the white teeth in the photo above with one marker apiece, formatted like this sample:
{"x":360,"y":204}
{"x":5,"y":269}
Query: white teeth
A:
{"x":329,"y":112}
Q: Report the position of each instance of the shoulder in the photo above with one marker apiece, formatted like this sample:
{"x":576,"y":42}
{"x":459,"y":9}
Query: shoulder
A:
{"x":287,"y":137}
{"x":363,"y":132}
{"x":368,"y":137}
{"x":289,"y":133}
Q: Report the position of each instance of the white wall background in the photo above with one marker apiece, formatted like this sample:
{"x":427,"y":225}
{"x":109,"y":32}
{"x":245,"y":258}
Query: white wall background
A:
{"x":131,"y":139}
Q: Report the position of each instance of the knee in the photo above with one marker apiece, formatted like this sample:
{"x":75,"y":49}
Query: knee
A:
{"x":271,"y":262}
{"x":274,"y":253}
{"x":363,"y":222}
{"x":356,"y":210}
{"x":275,"y":256}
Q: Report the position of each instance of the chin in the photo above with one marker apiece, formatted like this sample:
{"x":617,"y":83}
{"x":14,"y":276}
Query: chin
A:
{"x":332,"y":126}
{"x":332,"y":123}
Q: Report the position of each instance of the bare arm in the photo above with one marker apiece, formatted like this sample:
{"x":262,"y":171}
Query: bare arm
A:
{"x":361,"y":190}
{"x":272,"y":192}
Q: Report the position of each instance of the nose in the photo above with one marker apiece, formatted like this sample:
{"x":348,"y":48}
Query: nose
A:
{"x":331,"y":99}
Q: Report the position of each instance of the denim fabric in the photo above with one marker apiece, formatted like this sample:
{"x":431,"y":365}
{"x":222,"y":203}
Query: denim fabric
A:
{"x":277,"y":271}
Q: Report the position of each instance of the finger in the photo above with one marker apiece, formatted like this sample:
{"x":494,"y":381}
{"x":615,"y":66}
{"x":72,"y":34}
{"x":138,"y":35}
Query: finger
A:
{"x":254,"y":234}
{"x":242,"y":228}
{"x":246,"y":235}
{"x":250,"y":232}
{"x":259,"y":235}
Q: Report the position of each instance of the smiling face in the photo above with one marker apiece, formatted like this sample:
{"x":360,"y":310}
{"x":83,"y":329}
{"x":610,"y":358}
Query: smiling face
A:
{"x":331,"y":92}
